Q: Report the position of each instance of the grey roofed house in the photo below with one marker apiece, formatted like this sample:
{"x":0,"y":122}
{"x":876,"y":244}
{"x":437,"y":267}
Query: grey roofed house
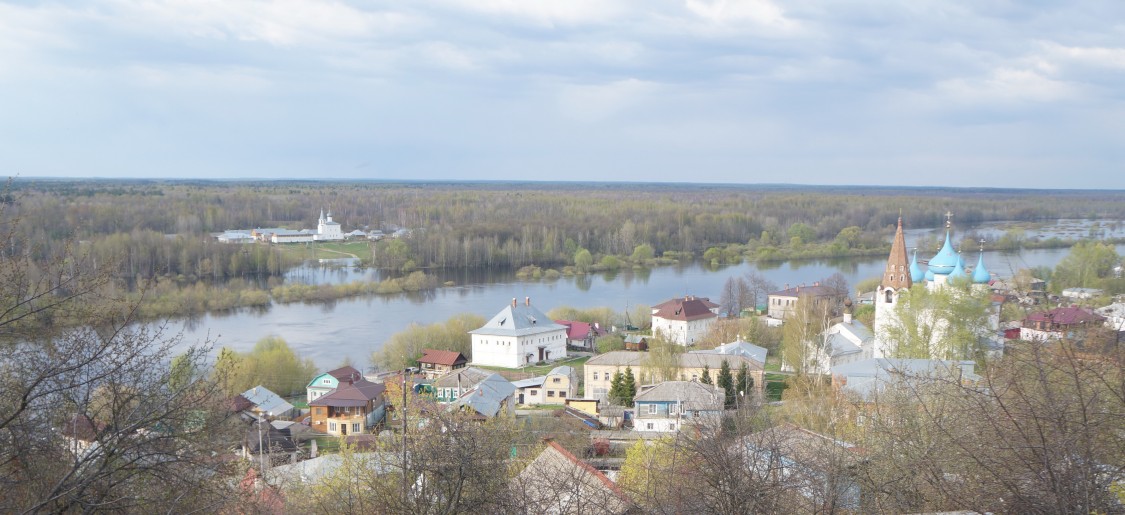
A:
{"x":558,"y":482}
{"x":692,"y":395}
{"x":489,"y":396}
{"x":738,"y":348}
{"x":847,"y":338}
{"x":530,"y":382}
{"x":518,"y":320}
{"x":871,"y":376}
{"x":624,"y":358}
{"x":272,"y":439}
{"x":265,"y":401}
{"x":463,"y":377}
{"x":312,"y":470}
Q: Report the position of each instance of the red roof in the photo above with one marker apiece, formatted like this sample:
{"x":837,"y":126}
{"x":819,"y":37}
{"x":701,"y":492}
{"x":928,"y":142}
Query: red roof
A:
{"x":688,"y":308}
{"x":448,"y":358}
{"x":353,"y":394}
{"x":343,"y":373}
{"x":1065,"y":316}
{"x":576,"y":330}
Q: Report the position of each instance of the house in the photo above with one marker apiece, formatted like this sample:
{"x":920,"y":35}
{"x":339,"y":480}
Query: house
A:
{"x":267,"y":445}
{"x":684,"y":320}
{"x":355,"y":406}
{"x":328,"y":381}
{"x":558,"y":385}
{"x":1059,"y":323}
{"x":822,"y":469}
{"x":581,"y":334}
{"x":519,"y":335}
{"x":738,"y":348}
{"x":844,"y":342}
{"x":587,"y":406}
{"x":264,"y":402}
{"x":494,"y":396}
{"x":781,"y":303}
{"x":668,"y":406}
{"x":453,"y":385}
{"x":327,"y":229}
{"x":636,"y":342}
{"x":235,"y":236}
{"x":557,"y":482}
{"x":81,"y":434}
{"x":867,"y":378}
{"x":598,"y":371}
{"x":436,"y":363}
{"x":315,"y":469}
{"x":1114,"y":315}
{"x":355,"y":235}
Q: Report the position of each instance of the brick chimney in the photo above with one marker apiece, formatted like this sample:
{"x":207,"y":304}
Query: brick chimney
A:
{"x":527,"y":301}
{"x":513,"y":302}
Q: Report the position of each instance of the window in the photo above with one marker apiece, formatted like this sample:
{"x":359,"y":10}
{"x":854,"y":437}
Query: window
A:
{"x":651,"y":409}
{"x":648,"y":426}
{"x":533,"y":392}
{"x":557,"y":380}
{"x":331,"y":426}
{"x":672,"y":409}
{"x":672,"y":426}
{"x":355,"y":427}
{"x":327,"y":381}
{"x":550,"y":393}
{"x":595,"y":376}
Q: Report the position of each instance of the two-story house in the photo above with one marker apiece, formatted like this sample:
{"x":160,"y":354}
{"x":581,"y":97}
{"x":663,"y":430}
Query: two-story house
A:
{"x":328,"y":381}
{"x":436,"y":363}
{"x":684,"y":320}
{"x":353,"y":407}
{"x":782,"y":303}
{"x":558,"y":385}
{"x":453,"y":385}
{"x":519,"y":335}
{"x":598,"y":371}
{"x":1059,"y":323}
{"x":670,"y":405}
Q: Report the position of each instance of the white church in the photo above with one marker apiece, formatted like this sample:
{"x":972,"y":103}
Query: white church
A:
{"x":850,"y":341}
{"x":326,"y":229}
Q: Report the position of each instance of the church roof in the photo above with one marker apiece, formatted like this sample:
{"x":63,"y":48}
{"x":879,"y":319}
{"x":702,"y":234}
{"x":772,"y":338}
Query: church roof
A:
{"x":946,"y":259}
{"x":980,"y":274}
{"x":916,"y":274}
{"x":896,"y":275}
{"x":518,"y":320}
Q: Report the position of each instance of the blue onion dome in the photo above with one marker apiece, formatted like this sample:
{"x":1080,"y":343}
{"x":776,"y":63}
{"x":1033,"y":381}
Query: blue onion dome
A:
{"x":981,"y":275}
{"x":930,"y":274}
{"x":958,"y":270}
{"x":961,"y":260}
{"x":915,"y":270}
{"x":946,"y":259}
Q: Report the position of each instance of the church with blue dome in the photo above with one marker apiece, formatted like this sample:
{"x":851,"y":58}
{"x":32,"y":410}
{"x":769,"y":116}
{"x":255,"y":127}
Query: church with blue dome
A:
{"x":945,"y":268}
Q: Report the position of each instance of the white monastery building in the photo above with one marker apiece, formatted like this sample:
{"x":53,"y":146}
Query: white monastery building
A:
{"x":327,"y":230}
{"x":684,"y":321}
{"x":519,"y":335}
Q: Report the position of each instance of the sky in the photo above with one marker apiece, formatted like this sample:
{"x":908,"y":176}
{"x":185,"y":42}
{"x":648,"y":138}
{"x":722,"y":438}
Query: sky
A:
{"x":964,"y":93}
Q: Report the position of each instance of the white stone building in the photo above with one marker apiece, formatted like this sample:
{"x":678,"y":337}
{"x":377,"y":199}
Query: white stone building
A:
{"x":519,"y":335}
{"x":328,"y":230}
{"x":684,"y":320}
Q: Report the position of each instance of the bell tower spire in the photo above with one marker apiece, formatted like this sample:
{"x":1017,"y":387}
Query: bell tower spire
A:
{"x":897,"y":273}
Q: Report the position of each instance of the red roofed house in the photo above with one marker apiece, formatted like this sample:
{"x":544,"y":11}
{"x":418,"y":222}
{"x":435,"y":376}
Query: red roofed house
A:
{"x":436,"y":363}
{"x":353,"y":407}
{"x":581,"y":334}
{"x":1058,"y":322}
{"x":684,"y":320}
{"x":328,"y":381}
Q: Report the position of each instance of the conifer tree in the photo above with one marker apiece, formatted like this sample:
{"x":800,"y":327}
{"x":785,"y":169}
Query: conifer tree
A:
{"x":628,"y":387}
{"x":615,"y":385}
{"x":706,"y":379}
{"x":726,"y":382}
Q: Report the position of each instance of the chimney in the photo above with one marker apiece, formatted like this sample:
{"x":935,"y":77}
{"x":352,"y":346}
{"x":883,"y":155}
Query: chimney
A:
{"x":847,"y":317}
{"x":513,"y":302}
{"x":527,"y":301}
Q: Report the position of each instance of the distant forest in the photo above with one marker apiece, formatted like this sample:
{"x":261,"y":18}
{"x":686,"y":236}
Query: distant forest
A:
{"x":153,"y":228}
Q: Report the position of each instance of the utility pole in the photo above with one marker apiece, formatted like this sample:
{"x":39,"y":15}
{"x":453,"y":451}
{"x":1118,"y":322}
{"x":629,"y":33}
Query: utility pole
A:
{"x":405,"y":488}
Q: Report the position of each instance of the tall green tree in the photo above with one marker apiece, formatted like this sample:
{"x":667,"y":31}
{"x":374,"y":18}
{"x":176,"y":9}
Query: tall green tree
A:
{"x":949,"y":323}
{"x":1087,"y":265}
{"x":743,"y":382}
{"x":706,"y":379}
{"x":616,"y":394}
{"x":726,"y":382}
{"x":628,"y":387}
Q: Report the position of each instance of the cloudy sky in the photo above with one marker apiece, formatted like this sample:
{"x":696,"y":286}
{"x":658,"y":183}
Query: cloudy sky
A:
{"x":921,"y":92}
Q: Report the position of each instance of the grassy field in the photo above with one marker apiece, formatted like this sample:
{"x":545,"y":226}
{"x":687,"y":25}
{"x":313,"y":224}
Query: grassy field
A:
{"x":329,"y":250}
{"x":775,"y":384}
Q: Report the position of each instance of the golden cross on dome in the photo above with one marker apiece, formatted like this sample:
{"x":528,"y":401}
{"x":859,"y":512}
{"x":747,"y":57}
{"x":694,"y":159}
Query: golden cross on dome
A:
{"x":982,"y":244}
{"x":948,"y":219}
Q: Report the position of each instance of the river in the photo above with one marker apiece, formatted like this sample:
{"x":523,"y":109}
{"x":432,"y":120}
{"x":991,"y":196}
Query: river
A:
{"x":355,"y":327}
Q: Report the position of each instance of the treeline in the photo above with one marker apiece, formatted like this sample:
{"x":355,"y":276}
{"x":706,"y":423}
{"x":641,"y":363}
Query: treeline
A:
{"x":498,"y":225}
